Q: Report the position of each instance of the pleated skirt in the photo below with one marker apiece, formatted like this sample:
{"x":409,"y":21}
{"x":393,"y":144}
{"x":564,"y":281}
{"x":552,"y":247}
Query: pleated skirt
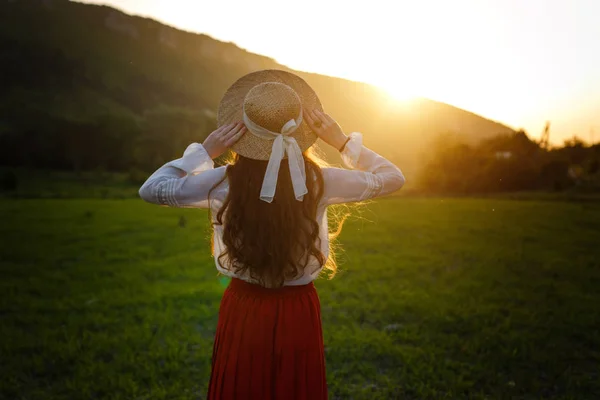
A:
{"x":268,"y":344}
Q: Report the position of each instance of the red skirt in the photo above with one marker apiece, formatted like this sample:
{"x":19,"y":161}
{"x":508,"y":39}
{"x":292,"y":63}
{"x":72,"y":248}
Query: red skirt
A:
{"x":268,"y":344}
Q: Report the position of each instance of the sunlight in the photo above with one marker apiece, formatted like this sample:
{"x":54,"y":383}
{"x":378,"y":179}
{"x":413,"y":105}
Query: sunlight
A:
{"x":397,"y":93}
{"x":400,"y":92}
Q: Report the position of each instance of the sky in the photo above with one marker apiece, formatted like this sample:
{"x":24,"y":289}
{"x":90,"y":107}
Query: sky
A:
{"x":519,"y":62}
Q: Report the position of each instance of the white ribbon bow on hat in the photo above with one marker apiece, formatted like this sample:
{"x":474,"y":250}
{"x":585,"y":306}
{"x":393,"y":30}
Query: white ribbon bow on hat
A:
{"x":282,"y":144}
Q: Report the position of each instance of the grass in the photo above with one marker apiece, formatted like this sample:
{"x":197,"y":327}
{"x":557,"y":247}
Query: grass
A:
{"x":436,"y":299}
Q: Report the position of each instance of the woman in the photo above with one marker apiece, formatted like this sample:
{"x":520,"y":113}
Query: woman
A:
{"x":270,"y":234}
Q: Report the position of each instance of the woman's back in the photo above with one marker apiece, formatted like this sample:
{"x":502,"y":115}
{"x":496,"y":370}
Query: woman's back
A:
{"x":269,"y":215}
{"x":270,"y":243}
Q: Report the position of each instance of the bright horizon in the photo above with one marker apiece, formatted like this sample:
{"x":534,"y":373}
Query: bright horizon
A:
{"x":515,"y":63}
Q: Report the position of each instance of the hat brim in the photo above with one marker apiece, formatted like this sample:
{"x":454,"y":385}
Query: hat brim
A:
{"x":231,"y":111}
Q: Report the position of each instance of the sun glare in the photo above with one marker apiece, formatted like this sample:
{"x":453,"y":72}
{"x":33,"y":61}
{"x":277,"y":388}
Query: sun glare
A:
{"x":399,"y":93}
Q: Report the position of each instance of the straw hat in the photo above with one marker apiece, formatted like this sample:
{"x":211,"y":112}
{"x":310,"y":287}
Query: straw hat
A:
{"x":270,"y":99}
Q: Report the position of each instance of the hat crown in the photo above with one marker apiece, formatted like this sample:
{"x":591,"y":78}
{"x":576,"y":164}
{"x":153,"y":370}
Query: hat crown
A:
{"x":272,"y":104}
{"x":231,"y":110}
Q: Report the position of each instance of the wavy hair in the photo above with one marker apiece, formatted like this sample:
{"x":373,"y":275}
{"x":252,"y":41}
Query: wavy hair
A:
{"x":272,"y":242}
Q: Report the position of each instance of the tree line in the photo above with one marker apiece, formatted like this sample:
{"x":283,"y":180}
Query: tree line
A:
{"x":508,"y":163}
{"x":112,"y":142}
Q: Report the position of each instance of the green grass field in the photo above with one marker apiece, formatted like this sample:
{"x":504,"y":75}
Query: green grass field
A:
{"x":436,"y":299}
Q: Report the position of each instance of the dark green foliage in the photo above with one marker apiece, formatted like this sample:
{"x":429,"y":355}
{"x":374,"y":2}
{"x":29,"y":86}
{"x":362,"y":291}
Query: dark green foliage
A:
{"x":509,"y":163}
{"x":436,"y":299}
{"x":8,"y":181}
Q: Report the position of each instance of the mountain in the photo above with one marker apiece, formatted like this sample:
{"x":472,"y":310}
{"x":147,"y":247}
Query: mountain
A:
{"x":88,"y":86}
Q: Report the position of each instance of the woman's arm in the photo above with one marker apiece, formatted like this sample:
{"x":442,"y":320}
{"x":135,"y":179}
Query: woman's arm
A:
{"x":186,"y":181}
{"x":371,"y":175}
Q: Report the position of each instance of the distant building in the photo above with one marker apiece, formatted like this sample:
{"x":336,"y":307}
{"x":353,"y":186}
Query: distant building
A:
{"x":576,"y":172}
{"x":503,"y":155}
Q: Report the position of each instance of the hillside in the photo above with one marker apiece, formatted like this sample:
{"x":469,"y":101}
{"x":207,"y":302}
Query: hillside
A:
{"x":88,"y":86}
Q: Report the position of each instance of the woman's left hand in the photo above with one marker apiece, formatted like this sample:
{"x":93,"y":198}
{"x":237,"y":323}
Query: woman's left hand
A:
{"x":325,"y":127}
{"x":223,"y":138}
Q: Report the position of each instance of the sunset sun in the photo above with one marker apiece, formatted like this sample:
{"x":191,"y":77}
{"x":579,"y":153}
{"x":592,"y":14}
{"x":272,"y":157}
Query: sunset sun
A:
{"x":398,"y":91}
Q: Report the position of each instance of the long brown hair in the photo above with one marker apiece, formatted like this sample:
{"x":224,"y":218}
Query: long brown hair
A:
{"x":272,"y":242}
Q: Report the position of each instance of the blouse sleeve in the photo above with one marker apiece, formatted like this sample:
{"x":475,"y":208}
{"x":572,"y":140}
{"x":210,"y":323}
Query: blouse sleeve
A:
{"x":186,"y":181}
{"x":370,"y":175}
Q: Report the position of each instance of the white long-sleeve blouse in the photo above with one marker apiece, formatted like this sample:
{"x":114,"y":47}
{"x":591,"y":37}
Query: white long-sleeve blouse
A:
{"x":186,"y":181}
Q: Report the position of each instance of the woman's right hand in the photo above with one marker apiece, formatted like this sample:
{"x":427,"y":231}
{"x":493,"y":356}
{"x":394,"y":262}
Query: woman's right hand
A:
{"x":222,"y":138}
{"x":325,"y":127}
